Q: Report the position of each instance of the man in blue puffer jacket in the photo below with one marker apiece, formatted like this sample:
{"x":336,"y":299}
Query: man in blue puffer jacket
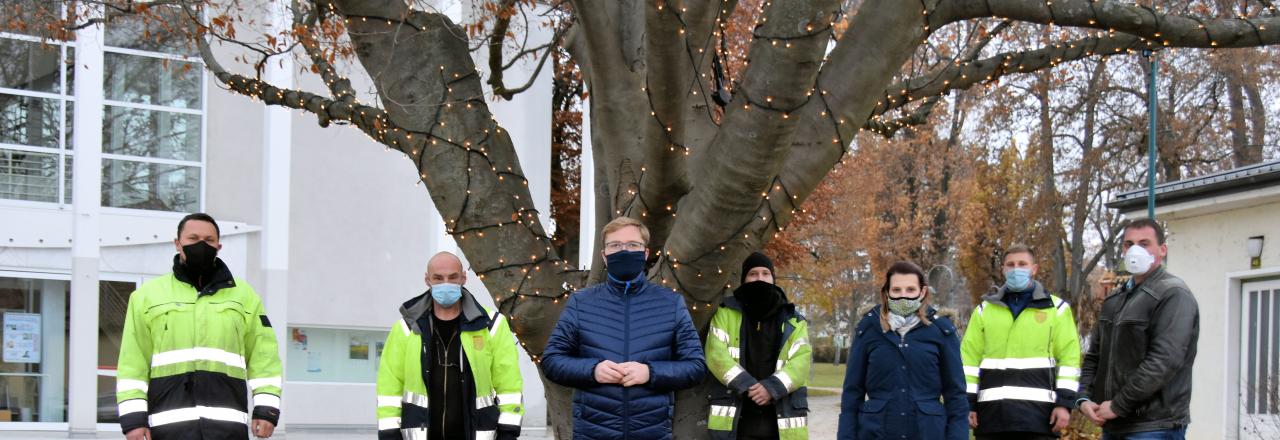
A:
{"x":625,"y":346}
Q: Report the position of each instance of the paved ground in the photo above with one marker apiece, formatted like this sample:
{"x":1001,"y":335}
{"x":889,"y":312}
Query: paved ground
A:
{"x":823,"y":412}
{"x":298,"y":434}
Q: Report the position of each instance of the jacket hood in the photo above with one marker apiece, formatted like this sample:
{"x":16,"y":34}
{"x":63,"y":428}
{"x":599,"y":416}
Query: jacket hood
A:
{"x":997,"y":296}
{"x":473,"y":314}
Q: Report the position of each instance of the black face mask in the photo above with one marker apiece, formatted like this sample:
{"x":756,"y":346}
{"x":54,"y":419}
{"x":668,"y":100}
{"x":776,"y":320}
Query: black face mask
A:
{"x":624,"y":266}
{"x":201,"y":257}
{"x":759,"y":298}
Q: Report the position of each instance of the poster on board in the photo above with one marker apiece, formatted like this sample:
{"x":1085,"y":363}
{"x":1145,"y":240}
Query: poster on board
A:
{"x":21,"y":338}
{"x":359,"y":348}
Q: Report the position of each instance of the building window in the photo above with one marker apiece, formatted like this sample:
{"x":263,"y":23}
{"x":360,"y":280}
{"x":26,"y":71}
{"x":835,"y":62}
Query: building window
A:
{"x":33,"y":368}
{"x":333,"y":354}
{"x":35,"y":124}
{"x":153,"y":117}
{"x":153,"y":120}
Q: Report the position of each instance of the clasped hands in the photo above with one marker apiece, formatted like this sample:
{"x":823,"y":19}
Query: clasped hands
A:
{"x":1098,"y":414}
{"x":627,"y":374}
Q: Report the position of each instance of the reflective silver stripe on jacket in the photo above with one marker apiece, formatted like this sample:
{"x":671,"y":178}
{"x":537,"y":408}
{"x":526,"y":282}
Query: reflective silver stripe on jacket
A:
{"x":415,"y":399}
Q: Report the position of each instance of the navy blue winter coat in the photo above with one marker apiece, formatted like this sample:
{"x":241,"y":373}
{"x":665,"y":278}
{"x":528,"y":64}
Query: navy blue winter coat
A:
{"x":893,"y":383}
{"x":640,"y":322}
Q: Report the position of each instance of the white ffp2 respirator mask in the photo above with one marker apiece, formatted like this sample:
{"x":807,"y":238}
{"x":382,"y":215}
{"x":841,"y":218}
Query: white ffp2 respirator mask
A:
{"x":1138,"y":261}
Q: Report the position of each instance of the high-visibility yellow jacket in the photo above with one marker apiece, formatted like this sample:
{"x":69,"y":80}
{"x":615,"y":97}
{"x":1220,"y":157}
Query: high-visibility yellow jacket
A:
{"x":787,"y":385}
{"x":1018,"y":370}
{"x":187,"y":358}
{"x":494,"y":373}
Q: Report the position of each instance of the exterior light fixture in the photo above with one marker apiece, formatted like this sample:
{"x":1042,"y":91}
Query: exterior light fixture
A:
{"x":1254,"y":245}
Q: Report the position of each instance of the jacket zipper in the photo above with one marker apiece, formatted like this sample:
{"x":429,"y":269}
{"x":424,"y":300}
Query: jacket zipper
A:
{"x":444,"y":412}
{"x":626,"y":351}
{"x":1111,"y":352}
{"x":427,"y":351}
{"x":466,"y":385}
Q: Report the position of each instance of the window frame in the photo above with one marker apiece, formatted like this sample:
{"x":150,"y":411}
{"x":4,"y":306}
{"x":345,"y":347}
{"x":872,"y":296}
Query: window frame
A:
{"x":202,"y":111}
{"x":66,"y":98}
{"x":65,"y":150}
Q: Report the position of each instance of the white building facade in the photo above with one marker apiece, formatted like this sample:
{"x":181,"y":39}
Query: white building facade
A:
{"x":107,"y":140}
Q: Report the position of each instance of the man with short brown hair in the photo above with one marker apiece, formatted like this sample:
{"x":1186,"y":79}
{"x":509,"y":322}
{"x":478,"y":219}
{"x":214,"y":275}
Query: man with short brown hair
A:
{"x":1141,"y":352}
{"x":1021,"y":357}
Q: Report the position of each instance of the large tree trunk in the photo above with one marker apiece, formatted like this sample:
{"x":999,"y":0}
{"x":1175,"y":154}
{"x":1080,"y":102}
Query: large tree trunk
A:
{"x":1257,"y":120}
{"x":1235,"y":104}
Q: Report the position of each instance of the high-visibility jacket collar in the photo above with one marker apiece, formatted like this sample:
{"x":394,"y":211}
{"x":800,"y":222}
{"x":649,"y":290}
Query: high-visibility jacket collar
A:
{"x":473,"y":314}
{"x":221,"y":278}
{"x":1039,"y":297}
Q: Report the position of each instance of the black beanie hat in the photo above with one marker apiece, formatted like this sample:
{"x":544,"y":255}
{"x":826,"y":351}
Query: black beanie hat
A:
{"x":753,"y":261}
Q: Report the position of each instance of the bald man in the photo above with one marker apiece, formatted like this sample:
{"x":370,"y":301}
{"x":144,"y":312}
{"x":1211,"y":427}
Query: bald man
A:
{"x":449,"y":367}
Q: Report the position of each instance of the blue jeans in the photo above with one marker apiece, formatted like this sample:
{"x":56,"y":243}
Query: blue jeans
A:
{"x":1164,"y":434}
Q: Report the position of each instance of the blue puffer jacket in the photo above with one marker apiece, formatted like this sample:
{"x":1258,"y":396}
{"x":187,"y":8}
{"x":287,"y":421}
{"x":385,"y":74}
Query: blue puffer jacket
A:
{"x":893,"y":383}
{"x":623,"y":322}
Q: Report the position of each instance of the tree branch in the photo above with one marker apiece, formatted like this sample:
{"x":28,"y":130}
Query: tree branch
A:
{"x":917,"y":116}
{"x":495,"y":75}
{"x":1167,"y":30}
{"x":337,"y":84}
{"x":921,"y":114}
{"x":326,"y":110}
{"x":497,"y":40}
{"x":753,"y":132}
{"x":967,"y":74}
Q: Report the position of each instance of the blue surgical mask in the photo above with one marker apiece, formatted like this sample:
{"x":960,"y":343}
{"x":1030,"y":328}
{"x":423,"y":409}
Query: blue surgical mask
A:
{"x":446,"y":294}
{"x":1017,"y":279}
{"x":624,"y":266}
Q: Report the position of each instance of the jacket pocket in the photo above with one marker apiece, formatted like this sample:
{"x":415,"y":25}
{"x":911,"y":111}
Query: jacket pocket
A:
{"x":871,"y":419}
{"x":163,"y":320}
{"x":932,"y":419}
{"x":227,"y":322}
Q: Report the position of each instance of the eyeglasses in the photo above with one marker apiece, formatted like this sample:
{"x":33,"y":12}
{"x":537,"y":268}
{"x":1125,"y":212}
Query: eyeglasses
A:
{"x":615,"y":246}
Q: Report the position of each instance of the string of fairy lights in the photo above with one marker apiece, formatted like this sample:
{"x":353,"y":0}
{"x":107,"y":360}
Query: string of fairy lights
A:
{"x":384,"y":131}
{"x":376,"y":123}
{"x":670,"y":262}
